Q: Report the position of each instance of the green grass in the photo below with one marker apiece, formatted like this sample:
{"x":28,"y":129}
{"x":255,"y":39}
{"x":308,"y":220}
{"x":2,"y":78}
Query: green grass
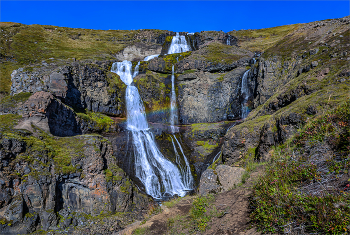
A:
{"x":29,"y":44}
{"x":8,"y":121}
{"x":140,"y":231}
{"x":262,"y":39}
{"x":12,"y":101}
{"x":220,"y":53}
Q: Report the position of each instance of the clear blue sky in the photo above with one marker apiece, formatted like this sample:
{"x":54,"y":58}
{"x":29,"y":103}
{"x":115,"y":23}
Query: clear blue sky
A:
{"x":190,"y":16}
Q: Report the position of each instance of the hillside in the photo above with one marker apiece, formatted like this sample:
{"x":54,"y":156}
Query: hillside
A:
{"x":262,"y":118}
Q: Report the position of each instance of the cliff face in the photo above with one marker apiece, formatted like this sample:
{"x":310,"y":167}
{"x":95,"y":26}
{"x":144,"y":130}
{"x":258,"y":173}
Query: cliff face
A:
{"x":296,"y":79}
{"x":64,"y":154}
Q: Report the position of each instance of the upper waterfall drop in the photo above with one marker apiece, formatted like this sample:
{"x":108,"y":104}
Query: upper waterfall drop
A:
{"x":123,"y":69}
{"x":178,"y":44}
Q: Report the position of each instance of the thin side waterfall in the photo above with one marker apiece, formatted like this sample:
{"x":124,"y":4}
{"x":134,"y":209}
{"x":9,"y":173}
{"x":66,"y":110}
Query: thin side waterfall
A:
{"x":178,"y":44}
{"x":173,"y":107}
{"x":245,"y":93}
{"x":150,"y":57}
{"x":160,"y":177}
{"x":185,"y":168}
{"x":228,"y":40}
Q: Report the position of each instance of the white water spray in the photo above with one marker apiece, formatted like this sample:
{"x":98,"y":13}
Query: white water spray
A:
{"x":178,"y":44}
{"x":173,"y":107}
{"x":185,"y":168}
{"x":160,"y":177}
{"x":150,"y":57}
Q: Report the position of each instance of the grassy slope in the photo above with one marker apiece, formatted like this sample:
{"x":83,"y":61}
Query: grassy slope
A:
{"x":262,"y":39}
{"x":28,"y":44}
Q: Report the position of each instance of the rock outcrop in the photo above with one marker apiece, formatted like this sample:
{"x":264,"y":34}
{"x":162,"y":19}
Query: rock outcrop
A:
{"x":82,"y":85}
{"x":46,"y":192}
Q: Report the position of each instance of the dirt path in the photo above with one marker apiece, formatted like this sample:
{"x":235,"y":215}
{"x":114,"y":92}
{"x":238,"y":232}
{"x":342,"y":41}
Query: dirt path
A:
{"x":232,"y":209}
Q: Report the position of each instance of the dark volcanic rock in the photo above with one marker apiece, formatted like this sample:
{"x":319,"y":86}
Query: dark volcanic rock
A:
{"x":49,"y":114}
{"x":98,"y":186}
{"x":205,"y":97}
{"x":83,"y":85}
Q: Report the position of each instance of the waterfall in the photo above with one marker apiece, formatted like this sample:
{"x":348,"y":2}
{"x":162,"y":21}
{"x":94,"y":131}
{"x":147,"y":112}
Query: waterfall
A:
{"x":150,"y":57}
{"x":160,"y":177}
{"x":178,"y":44}
{"x":185,"y":168}
{"x":228,"y":41}
{"x":173,"y":107}
{"x":245,"y":93}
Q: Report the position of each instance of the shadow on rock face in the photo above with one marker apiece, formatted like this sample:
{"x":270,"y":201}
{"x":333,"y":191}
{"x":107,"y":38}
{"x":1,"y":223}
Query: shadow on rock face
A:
{"x":49,"y":114}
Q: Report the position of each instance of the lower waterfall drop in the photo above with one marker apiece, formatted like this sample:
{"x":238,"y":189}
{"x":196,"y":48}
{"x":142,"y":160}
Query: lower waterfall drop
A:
{"x":160,"y":176}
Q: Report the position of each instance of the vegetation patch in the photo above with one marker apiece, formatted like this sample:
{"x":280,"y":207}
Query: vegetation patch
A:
{"x":100,"y":121}
{"x":12,"y":101}
{"x":292,"y":194}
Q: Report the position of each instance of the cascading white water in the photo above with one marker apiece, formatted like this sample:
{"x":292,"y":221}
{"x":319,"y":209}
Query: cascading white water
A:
{"x":185,"y":168}
{"x":147,"y":58}
{"x":245,"y":92}
{"x":160,"y":177}
{"x":178,"y":44}
{"x":173,"y":107}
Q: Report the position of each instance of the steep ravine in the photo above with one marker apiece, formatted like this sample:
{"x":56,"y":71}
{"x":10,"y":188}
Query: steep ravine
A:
{"x":64,"y":146}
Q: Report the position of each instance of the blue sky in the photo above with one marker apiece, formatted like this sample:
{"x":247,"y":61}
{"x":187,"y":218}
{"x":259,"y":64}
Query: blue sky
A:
{"x":189,"y":16}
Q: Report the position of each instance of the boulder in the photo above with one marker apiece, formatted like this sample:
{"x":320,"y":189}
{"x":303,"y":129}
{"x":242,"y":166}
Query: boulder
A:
{"x":223,"y":178}
{"x":208,"y":183}
{"x":229,"y":176}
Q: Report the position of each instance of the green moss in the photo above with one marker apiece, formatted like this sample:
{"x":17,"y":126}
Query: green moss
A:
{"x":172,"y":59}
{"x":12,"y":101}
{"x":168,"y":39}
{"x":221,"y":78}
{"x":207,"y":145}
{"x":189,"y":71}
{"x":100,"y":121}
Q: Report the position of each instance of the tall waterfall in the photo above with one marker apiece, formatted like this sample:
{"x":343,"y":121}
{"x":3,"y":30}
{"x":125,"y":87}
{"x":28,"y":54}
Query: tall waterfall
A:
{"x":173,"y":107}
{"x":160,"y":177}
{"x":245,"y":93}
{"x":178,"y":44}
